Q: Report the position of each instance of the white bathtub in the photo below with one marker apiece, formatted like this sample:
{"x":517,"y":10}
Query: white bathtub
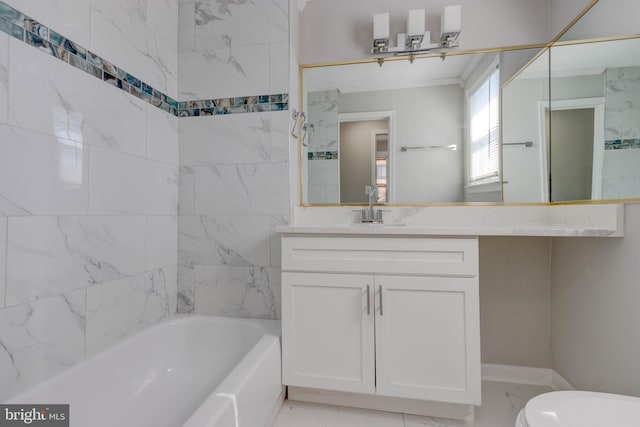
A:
{"x":193,"y":371}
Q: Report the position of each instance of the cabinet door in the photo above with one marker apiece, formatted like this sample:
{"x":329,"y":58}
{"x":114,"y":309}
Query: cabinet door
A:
{"x":327,"y":331}
{"x":428,"y":338}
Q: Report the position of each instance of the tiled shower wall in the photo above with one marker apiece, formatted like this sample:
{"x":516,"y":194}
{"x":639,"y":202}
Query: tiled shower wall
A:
{"x":622,"y":134}
{"x":234,"y":172}
{"x":88,"y":188}
{"x":323,"y":163}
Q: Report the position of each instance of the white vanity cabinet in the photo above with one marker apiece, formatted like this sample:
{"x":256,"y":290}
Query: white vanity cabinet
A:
{"x":384,"y":316}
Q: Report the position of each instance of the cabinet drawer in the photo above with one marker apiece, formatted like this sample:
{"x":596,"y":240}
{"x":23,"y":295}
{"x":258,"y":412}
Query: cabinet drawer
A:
{"x":425,"y":256}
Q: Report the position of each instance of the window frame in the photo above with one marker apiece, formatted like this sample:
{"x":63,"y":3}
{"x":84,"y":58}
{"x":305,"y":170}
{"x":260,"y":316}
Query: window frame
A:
{"x":491,"y":182}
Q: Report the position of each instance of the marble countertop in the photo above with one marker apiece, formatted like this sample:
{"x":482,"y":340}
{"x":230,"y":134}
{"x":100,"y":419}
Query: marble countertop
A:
{"x":590,"y":220}
{"x":426,"y":230}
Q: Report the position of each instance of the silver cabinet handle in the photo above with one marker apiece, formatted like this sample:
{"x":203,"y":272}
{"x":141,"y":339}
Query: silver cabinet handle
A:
{"x":368,"y":300}
{"x":380,"y":288}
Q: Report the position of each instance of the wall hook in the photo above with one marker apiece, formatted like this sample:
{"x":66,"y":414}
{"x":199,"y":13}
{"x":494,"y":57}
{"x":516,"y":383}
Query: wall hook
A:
{"x":299,"y":118}
{"x":307,"y":133}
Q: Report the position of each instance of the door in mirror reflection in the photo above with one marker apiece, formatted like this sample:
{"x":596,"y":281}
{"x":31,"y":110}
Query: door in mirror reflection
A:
{"x":572,"y":132}
{"x":364,"y":159}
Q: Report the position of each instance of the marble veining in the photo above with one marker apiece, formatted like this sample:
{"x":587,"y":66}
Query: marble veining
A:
{"x":238,"y":71}
{"x":220,"y":21}
{"x":214,"y":40}
{"x":224,"y":240}
{"x":161,"y":243}
{"x":255,"y":188}
{"x":122,"y":29}
{"x":252,"y":138}
{"x":186,"y":289}
{"x":162,"y":137}
{"x":565,"y":220}
{"x":323,"y":108}
{"x":71,"y":111}
{"x":52,"y":173}
{"x":116,"y":310}
{"x":70,"y":17}
{"x":237,"y":291}
{"x":52,"y":255}
{"x":623,"y":103}
{"x":40,"y":339}
{"x":141,"y":186}
{"x":72,"y":231}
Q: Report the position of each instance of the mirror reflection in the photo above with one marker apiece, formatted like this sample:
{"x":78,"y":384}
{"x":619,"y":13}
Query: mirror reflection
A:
{"x":579,"y":107}
{"x":556,"y":124}
{"x":525,"y":101}
{"x":426,"y":131}
{"x":595,"y":120}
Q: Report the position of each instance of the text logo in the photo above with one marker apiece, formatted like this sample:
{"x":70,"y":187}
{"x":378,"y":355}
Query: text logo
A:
{"x":34,"y":415}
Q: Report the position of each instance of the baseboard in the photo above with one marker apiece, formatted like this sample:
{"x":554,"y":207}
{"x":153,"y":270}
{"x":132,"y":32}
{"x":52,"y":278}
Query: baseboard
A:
{"x":383,"y":403}
{"x":525,"y":375}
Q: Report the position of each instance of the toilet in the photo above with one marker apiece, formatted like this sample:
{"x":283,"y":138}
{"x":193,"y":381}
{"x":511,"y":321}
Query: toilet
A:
{"x":580,"y":409}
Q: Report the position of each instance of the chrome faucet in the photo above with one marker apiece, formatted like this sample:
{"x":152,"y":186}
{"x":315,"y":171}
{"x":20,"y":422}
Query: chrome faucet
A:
{"x":371,"y":215}
{"x":373,"y":193}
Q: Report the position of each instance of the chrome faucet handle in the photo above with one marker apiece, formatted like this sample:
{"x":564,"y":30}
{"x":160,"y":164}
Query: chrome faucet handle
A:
{"x":362,"y":214}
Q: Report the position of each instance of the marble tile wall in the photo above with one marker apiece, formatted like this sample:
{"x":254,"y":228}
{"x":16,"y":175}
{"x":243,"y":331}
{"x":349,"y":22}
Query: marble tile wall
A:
{"x":323,"y":115}
{"x":622,"y":111}
{"x":323,"y":166}
{"x":234,"y":169}
{"x":243,"y":44}
{"x":621,"y":169}
{"x":88,"y":188}
{"x":234,"y":191}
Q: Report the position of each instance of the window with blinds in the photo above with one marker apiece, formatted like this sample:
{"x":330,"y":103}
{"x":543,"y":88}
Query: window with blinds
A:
{"x":484,"y":143}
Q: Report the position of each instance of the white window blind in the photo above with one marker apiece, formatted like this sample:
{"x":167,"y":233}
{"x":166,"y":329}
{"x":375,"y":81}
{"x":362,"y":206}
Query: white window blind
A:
{"x":484,"y":146}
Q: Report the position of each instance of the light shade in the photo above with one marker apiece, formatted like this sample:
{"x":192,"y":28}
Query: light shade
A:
{"x":452,"y":19}
{"x":380,"y":26}
{"x":416,"y":22}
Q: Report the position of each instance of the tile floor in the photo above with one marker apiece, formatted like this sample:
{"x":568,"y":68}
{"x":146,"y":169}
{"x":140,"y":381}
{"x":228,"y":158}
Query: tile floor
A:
{"x":501,"y":404}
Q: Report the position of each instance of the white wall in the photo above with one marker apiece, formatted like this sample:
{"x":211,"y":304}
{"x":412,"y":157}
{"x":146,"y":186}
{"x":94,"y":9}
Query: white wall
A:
{"x":606,"y":18}
{"x":335,"y":30}
{"x":514,"y":301}
{"x":91,"y":258}
{"x":594,"y":309}
{"x":562,"y":12}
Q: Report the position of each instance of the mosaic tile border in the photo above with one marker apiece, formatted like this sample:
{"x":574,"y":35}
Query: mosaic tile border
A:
{"x":322,"y":155}
{"x":622,"y":144}
{"x":32,"y":32}
{"x":243,"y":104}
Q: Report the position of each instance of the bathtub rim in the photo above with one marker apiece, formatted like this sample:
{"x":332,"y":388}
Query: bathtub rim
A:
{"x":270,"y":327}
